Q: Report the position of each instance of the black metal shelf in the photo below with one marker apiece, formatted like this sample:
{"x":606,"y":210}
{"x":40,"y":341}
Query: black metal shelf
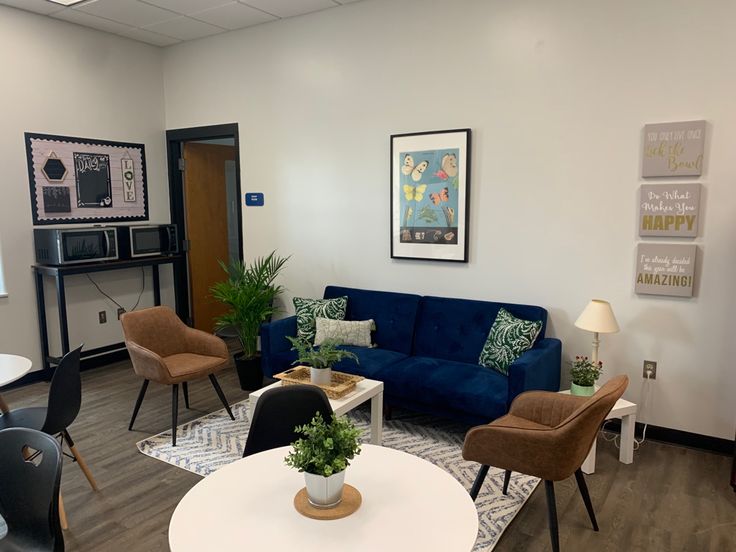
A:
{"x":60,"y":272}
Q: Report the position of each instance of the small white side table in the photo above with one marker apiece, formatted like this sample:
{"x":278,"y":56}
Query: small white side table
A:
{"x":627,"y":412}
{"x":364,"y":390}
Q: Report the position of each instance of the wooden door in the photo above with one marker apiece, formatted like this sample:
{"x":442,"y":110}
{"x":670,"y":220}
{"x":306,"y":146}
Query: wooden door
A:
{"x":205,"y":200}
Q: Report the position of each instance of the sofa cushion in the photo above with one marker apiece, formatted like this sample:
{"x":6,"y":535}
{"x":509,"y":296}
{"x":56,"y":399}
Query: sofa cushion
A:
{"x":508,"y":339}
{"x":393,"y":313}
{"x":458,"y":386}
{"x":456,"y":329}
{"x":307,"y":311}
{"x":372,"y":361}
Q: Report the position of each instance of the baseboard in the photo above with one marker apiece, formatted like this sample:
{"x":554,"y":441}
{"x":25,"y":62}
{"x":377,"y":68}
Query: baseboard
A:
{"x":678,"y":437}
{"x":85,"y":364}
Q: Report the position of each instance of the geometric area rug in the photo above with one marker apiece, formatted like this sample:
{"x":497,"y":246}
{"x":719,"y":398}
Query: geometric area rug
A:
{"x":212,"y":441}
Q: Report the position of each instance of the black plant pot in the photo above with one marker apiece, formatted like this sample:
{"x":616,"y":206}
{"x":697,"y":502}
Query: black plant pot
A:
{"x":249,"y":372}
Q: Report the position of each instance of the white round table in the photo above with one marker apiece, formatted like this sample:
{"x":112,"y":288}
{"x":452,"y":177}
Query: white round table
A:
{"x":12,"y":368}
{"x":408,"y":504}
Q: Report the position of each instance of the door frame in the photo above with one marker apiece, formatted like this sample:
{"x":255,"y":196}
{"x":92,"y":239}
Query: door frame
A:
{"x":174,"y":140}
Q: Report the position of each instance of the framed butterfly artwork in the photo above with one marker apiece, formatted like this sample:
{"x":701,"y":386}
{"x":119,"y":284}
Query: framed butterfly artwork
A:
{"x":430,"y":195}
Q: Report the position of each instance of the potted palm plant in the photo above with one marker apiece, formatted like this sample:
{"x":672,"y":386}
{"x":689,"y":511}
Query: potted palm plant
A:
{"x":320,"y":360}
{"x":249,"y":293}
{"x":584,"y":373}
{"x":323,"y":454}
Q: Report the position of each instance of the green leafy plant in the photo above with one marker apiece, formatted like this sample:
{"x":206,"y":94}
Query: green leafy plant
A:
{"x":323,"y":357}
{"x":326,"y":448}
{"x":249,"y":292}
{"x":585,"y":372}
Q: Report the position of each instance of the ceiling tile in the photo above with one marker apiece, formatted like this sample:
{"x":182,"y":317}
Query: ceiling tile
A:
{"x":184,"y":28}
{"x":233,"y":16}
{"x":38,"y":6}
{"x":81,"y":18}
{"x":187,"y":7}
{"x":149,"y":37}
{"x":127,"y":12}
{"x":289,"y":8}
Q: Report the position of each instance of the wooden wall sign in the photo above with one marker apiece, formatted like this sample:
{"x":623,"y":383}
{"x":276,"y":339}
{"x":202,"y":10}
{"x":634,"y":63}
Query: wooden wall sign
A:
{"x":669,"y":210}
{"x":673,"y":149}
{"x":665,"y":269}
{"x":75,"y":180}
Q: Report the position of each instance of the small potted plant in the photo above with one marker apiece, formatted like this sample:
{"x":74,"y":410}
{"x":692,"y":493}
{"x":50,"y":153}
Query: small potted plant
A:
{"x":320,"y":360}
{"x":249,"y":293}
{"x":584,"y":374}
{"x":323,"y":454}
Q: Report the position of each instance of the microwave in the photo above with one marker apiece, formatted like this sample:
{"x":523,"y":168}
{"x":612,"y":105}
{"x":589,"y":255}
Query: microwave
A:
{"x":60,"y":246}
{"x":148,"y":240}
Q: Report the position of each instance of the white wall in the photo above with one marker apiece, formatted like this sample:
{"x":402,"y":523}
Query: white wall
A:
{"x":556,"y":94}
{"x":60,"y":78}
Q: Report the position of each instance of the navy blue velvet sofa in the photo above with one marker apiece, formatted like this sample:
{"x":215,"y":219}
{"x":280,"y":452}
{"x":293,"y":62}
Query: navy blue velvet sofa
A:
{"x":427,"y":351}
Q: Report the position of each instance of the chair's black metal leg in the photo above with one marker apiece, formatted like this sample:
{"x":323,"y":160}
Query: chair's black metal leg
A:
{"x":506,"y":479}
{"x":220,"y":394}
{"x":185,"y":387}
{"x":478,"y":483}
{"x":174,"y":411}
{"x":552,"y":512}
{"x":138,"y":402}
{"x":586,"y":497}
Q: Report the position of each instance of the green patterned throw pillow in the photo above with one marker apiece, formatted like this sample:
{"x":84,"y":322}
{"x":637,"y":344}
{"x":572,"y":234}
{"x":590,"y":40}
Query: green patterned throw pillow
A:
{"x":508,"y":339}
{"x":307,"y":311}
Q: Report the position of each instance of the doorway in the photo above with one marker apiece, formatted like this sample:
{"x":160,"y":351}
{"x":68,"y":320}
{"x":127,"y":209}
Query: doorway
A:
{"x":204,"y":191}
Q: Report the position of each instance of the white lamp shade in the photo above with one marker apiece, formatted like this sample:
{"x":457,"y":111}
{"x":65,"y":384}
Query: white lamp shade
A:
{"x":598,"y":317}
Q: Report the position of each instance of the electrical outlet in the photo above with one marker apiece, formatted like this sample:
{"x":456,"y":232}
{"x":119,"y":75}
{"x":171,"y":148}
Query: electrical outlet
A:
{"x":103,"y":317}
{"x":121,"y":311}
{"x":650,"y":366}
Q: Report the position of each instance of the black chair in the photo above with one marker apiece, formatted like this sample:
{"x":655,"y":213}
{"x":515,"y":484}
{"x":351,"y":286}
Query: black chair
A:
{"x":65,"y":399}
{"x":30,"y":474}
{"x":279,"y":410}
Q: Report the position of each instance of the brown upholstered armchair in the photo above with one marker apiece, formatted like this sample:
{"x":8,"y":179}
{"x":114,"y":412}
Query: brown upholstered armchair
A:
{"x":547,"y":435}
{"x":165,"y":350}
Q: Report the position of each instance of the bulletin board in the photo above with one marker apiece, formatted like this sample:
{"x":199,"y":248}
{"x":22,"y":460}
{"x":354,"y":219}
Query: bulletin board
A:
{"x":75,"y":180}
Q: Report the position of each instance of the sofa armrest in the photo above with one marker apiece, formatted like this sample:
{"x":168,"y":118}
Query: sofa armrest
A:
{"x":273,"y":340}
{"x":538,"y":368}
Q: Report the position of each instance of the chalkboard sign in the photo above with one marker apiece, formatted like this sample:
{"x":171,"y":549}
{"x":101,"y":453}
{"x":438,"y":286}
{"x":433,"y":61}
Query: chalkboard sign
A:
{"x":93,"y":180}
{"x":92,"y":176}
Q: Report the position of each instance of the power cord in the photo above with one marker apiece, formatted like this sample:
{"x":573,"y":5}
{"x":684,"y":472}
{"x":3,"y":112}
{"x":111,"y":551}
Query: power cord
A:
{"x":616,"y":437}
{"x":137,"y":302}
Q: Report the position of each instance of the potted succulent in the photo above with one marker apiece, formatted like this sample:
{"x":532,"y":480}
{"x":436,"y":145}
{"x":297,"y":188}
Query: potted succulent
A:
{"x":584,"y":374}
{"x":249,"y":293}
{"x":323,"y":454}
{"x":320,"y":360}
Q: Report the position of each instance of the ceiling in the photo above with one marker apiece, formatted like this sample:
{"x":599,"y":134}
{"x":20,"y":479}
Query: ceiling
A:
{"x":167,"y":22}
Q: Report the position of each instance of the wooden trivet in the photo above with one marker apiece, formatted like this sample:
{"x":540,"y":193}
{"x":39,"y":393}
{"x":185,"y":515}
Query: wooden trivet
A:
{"x":350,"y":503}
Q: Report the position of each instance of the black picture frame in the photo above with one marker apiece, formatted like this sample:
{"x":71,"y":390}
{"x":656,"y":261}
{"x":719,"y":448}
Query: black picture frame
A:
{"x":423,"y":189}
{"x":123,"y":211}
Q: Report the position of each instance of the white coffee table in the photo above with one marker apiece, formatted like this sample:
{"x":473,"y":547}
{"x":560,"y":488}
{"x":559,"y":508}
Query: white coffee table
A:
{"x":408,"y":504}
{"x":12,"y":368}
{"x":627,"y":412}
{"x":364,"y":390}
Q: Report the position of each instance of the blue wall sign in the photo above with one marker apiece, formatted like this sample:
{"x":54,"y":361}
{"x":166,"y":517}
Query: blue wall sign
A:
{"x":254,"y":199}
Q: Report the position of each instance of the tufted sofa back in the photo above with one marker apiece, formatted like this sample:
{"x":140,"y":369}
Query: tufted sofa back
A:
{"x":393,"y":313}
{"x":456,"y":329}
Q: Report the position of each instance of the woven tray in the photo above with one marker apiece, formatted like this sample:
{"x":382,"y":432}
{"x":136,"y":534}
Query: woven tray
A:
{"x":341,"y":385}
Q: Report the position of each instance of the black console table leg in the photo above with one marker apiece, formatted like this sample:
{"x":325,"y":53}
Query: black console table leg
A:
{"x":63,"y":323}
{"x":41,"y":306}
{"x":156,"y":286}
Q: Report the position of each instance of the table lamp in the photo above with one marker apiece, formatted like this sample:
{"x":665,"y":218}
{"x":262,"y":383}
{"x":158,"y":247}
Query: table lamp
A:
{"x":597,"y":318}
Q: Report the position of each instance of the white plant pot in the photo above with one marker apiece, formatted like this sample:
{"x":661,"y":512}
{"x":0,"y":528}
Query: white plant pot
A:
{"x":324,"y":492}
{"x":320,"y":376}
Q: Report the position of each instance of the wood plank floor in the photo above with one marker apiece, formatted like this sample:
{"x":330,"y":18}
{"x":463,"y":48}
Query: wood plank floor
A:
{"x":670,"y":498}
